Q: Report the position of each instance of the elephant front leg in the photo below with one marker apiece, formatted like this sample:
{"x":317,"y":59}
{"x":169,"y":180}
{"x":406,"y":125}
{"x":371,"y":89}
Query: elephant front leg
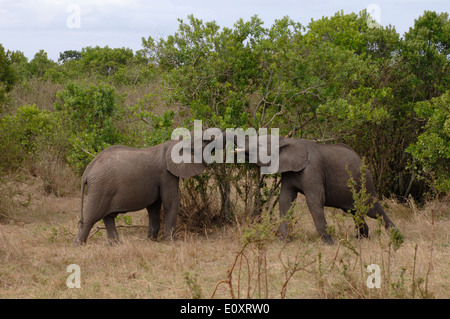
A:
{"x":170,"y":219}
{"x":287,"y":196}
{"x":154,"y":212}
{"x":171,"y":203}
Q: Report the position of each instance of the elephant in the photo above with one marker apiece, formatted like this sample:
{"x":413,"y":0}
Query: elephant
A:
{"x":123,"y":179}
{"x":321,"y":173}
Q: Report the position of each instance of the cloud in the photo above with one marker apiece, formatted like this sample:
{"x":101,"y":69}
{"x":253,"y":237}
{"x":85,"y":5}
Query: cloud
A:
{"x":29,"y":25}
{"x":26,"y":14}
{"x":52,"y":14}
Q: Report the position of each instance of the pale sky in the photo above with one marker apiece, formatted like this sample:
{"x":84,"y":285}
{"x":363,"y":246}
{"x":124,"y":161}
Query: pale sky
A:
{"x":59,"y":25}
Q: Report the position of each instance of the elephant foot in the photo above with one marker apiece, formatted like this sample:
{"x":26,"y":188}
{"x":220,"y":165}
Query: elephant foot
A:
{"x":283,"y":232}
{"x":153,"y":237}
{"x":114,"y":242}
{"x":327,"y":239}
{"x":362,"y":231}
{"x":77,"y":242}
{"x":361,"y":236}
{"x":80,"y":239}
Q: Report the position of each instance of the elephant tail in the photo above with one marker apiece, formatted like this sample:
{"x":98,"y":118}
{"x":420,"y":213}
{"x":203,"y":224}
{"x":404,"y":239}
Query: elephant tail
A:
{"x":83,"y":184}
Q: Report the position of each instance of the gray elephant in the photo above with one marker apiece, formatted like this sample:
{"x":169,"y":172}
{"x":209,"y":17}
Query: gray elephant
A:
{"x":122,"y":179}
{"x":320,"y":172}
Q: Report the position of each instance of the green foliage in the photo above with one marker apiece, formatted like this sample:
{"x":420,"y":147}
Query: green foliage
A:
{"x":363,"y":201}
{"x":193,"y":285}
{"x":396,"y":238}
{"x":153,"y":129}
{"x":127,"y":219}
{"x":426,"y":48}
{"x":432,"y":149}
{"x":40,"y":64}
{"x":7,"y":74}
{"x":209,"y":69}
{"x":19,"y":63}
{"x":262,"y":232}
{"x":24,"y":134}
{"x":105,"y":61}
{"x":69,"y":55}
{"x":89,"y":114}
{"x":336,"y":79}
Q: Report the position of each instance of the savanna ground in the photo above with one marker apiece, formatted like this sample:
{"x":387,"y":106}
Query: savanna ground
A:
{"x":36,"y":249}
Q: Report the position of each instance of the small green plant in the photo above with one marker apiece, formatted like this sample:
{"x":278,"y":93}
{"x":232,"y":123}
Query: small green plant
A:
{"x":396,"y":238}
{"x":193,"y":285}
{"x":362,"y":200}
{"x":259,"y":235}
{"x":257,"y":238}
{"x":59,"y":232}
{"x":261,"y":232}
{"x":127,"y":219}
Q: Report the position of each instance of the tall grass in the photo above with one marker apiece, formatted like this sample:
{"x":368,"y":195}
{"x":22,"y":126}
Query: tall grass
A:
{"x":36,"y":248}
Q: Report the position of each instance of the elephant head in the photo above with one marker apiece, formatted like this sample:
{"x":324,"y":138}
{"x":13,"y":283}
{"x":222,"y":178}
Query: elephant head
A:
{"x":190,"y":155}
{"x":277,"y":154}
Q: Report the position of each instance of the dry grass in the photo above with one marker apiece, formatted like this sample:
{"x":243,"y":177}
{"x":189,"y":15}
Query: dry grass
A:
{"x":36,"y":248}
{"x":35,"y":91}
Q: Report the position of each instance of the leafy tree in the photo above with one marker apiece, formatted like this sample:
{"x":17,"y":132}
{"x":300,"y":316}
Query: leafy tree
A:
{"x":209,"y":70}
{"x":40,"y":64}
{"x":69,"y":55}
{"x":23,"y":134}
{"x":354,"y":32}
{"x":426,"y":50}
{"x":432,"y":149}
{"x":19,"y":62}
{"x":104,"y":61}
{"x":88,"y":115}
{"x":7,"y":74}
{"x":376,"y":115}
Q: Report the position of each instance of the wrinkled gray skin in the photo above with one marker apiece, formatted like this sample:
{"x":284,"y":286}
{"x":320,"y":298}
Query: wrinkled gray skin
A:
{"x":123,"y":179}
{"x":319,"y":171}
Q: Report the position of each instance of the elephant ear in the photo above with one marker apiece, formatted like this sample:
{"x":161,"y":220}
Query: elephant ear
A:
{"x":182,"y":169}
{"x":294,"y":155}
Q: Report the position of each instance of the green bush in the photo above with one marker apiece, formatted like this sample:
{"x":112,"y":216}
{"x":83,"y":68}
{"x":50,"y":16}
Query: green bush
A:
{"x":431,"y":152}
{"x":24,"y":134}
{"x":335,"y":79}
{"x":89,"y":114}
{"x":7,"y":75}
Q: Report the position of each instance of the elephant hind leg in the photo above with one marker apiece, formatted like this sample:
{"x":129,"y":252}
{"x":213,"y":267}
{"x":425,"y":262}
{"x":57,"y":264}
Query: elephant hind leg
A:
{"x":84,"y":231}
{"x":95,"y":210}
{"x":315,"y":201}
{"x":361,"y":225}
{"x":110,"y":224}
{"x":378,"y":211}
